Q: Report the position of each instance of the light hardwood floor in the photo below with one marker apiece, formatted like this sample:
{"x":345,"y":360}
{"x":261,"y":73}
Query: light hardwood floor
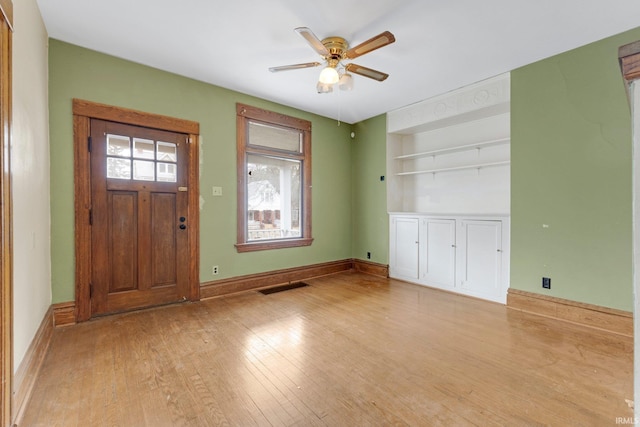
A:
{"x":348,"y":350}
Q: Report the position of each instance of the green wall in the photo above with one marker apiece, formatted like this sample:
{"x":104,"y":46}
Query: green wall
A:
{"x":75,"y":72}
{"x":571,"y":176}
{"x":570,"y":171}
{"x":369,"y":201}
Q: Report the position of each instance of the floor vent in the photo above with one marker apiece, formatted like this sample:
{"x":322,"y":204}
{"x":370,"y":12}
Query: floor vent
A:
{"x":282,"y":288}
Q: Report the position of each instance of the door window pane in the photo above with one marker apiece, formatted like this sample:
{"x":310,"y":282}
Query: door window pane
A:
{"x":159,"y":164}
{"x":167,"y":172}
{"x":143,"y":170}
{"x":118,"y":146}
{"x":167,"y":152}
{"x":143,"y":148}
{"x":118,"y":168}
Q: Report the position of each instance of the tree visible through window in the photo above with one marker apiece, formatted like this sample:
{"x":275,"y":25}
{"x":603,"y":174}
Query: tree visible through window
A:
{"x":274,"y":171}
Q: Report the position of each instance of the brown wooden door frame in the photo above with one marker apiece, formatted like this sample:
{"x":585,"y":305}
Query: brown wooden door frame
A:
{"x":83,"y":112}
{"x":6,"y":244}
{"x":629,"y":58}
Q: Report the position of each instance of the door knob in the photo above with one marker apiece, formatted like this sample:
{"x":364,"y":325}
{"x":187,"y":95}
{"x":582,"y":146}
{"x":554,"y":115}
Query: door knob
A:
{"x":182,"y":226}
{"x":182,"y":219}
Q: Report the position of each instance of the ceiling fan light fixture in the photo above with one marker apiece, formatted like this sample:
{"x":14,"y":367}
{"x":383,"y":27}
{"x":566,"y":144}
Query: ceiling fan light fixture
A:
{"x":329,"y":75}
{"x":346,"y":82}
{"x":324,"y":88}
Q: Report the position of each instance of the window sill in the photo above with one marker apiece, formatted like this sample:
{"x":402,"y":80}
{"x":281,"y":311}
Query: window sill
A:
{"x":273,"y":244}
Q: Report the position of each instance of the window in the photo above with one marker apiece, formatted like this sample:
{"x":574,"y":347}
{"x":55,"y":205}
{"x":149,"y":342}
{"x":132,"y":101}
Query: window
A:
{"x":274,"y":180}
{"x":145,"y":154}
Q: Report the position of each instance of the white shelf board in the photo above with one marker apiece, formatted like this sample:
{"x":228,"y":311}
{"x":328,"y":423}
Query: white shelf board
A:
{"x":477,"y":145}
{"x":456,"y":168}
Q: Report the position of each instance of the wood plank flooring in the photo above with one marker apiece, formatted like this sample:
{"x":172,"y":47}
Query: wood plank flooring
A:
{"x":348,"y":350}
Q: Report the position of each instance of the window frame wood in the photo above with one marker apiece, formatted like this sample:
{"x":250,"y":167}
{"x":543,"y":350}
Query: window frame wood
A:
{"x":245,"y":114}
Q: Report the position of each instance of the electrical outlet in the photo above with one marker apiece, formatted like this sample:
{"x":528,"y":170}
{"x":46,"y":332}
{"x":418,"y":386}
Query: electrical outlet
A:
{"x":215,"y":270}
{"x":546,"y":282}
{"x":368,"y":255}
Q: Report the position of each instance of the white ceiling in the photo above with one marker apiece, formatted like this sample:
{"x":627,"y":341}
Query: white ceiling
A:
{"x":440,"y":45}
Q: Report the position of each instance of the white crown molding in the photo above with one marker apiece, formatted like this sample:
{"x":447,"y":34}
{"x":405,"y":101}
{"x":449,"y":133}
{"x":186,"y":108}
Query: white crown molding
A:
{"x":483,"y":99}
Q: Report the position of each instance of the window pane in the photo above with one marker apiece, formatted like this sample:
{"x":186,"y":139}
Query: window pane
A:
{"x":275,"y":137}
{"x":143,"y":170}
{"x":118,"y":168}
{"x":167,"y":152}
{"x":118,"y":146}
{"x":167,"y":172}
{"x":273,"y":198}
{"x":143,"y":148}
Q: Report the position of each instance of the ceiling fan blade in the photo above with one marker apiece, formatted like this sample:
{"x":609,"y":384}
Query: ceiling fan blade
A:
{"x":314,"y":41}
{"x":367,"y":72}
{"x":294,"y":66}
{"x":373,"y":43}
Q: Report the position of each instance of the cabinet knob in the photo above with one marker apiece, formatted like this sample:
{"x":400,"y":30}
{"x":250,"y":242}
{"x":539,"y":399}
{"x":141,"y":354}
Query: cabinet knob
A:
{"x":499,"y":250}
{"x":417,"y":242}
{"x":453,"y":246}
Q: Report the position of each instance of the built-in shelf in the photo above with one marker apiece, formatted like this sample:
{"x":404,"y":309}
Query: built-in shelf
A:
{"x":459,"y":148}
{"x":451,"y":153}
{"x":456,"y":168}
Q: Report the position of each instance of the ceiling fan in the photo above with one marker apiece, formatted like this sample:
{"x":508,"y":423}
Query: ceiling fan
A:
{"x":334,"y":50}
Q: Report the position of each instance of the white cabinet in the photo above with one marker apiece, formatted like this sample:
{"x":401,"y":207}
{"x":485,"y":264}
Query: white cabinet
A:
{"x":404,"y":237}
{"x":480,"y":258}
{"x":463,"y":254}
{"x":438,"y":260}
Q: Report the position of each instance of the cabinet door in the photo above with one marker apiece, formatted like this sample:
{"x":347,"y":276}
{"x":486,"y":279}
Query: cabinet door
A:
{"x":437,"y":261}
{"x":481,"y":258}
{"x":404,"y":248}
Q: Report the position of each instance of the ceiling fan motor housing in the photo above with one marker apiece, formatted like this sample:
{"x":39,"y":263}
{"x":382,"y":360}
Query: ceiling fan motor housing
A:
{"x":337,"y":46}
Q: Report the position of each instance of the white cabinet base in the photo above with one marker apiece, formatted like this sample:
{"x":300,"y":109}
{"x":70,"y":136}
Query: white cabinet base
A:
{"x":438,"y":258}
{"x":463,"y":254}
{"x":480,"y":259}
{"x":404,"y":237}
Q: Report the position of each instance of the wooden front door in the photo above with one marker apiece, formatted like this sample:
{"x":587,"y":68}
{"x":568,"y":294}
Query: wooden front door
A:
{"x":139,"y":217}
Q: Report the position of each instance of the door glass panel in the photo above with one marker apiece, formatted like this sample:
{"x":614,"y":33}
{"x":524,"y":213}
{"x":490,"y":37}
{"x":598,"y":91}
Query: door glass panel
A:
{"x":143,"y":148}
{"x":118,"y":168}
{"x":143,"y":170}
{"x":167,"y":172}
{"x":118,"y":146}
{"x":167,"y":152}
{"x":159,"y":164}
